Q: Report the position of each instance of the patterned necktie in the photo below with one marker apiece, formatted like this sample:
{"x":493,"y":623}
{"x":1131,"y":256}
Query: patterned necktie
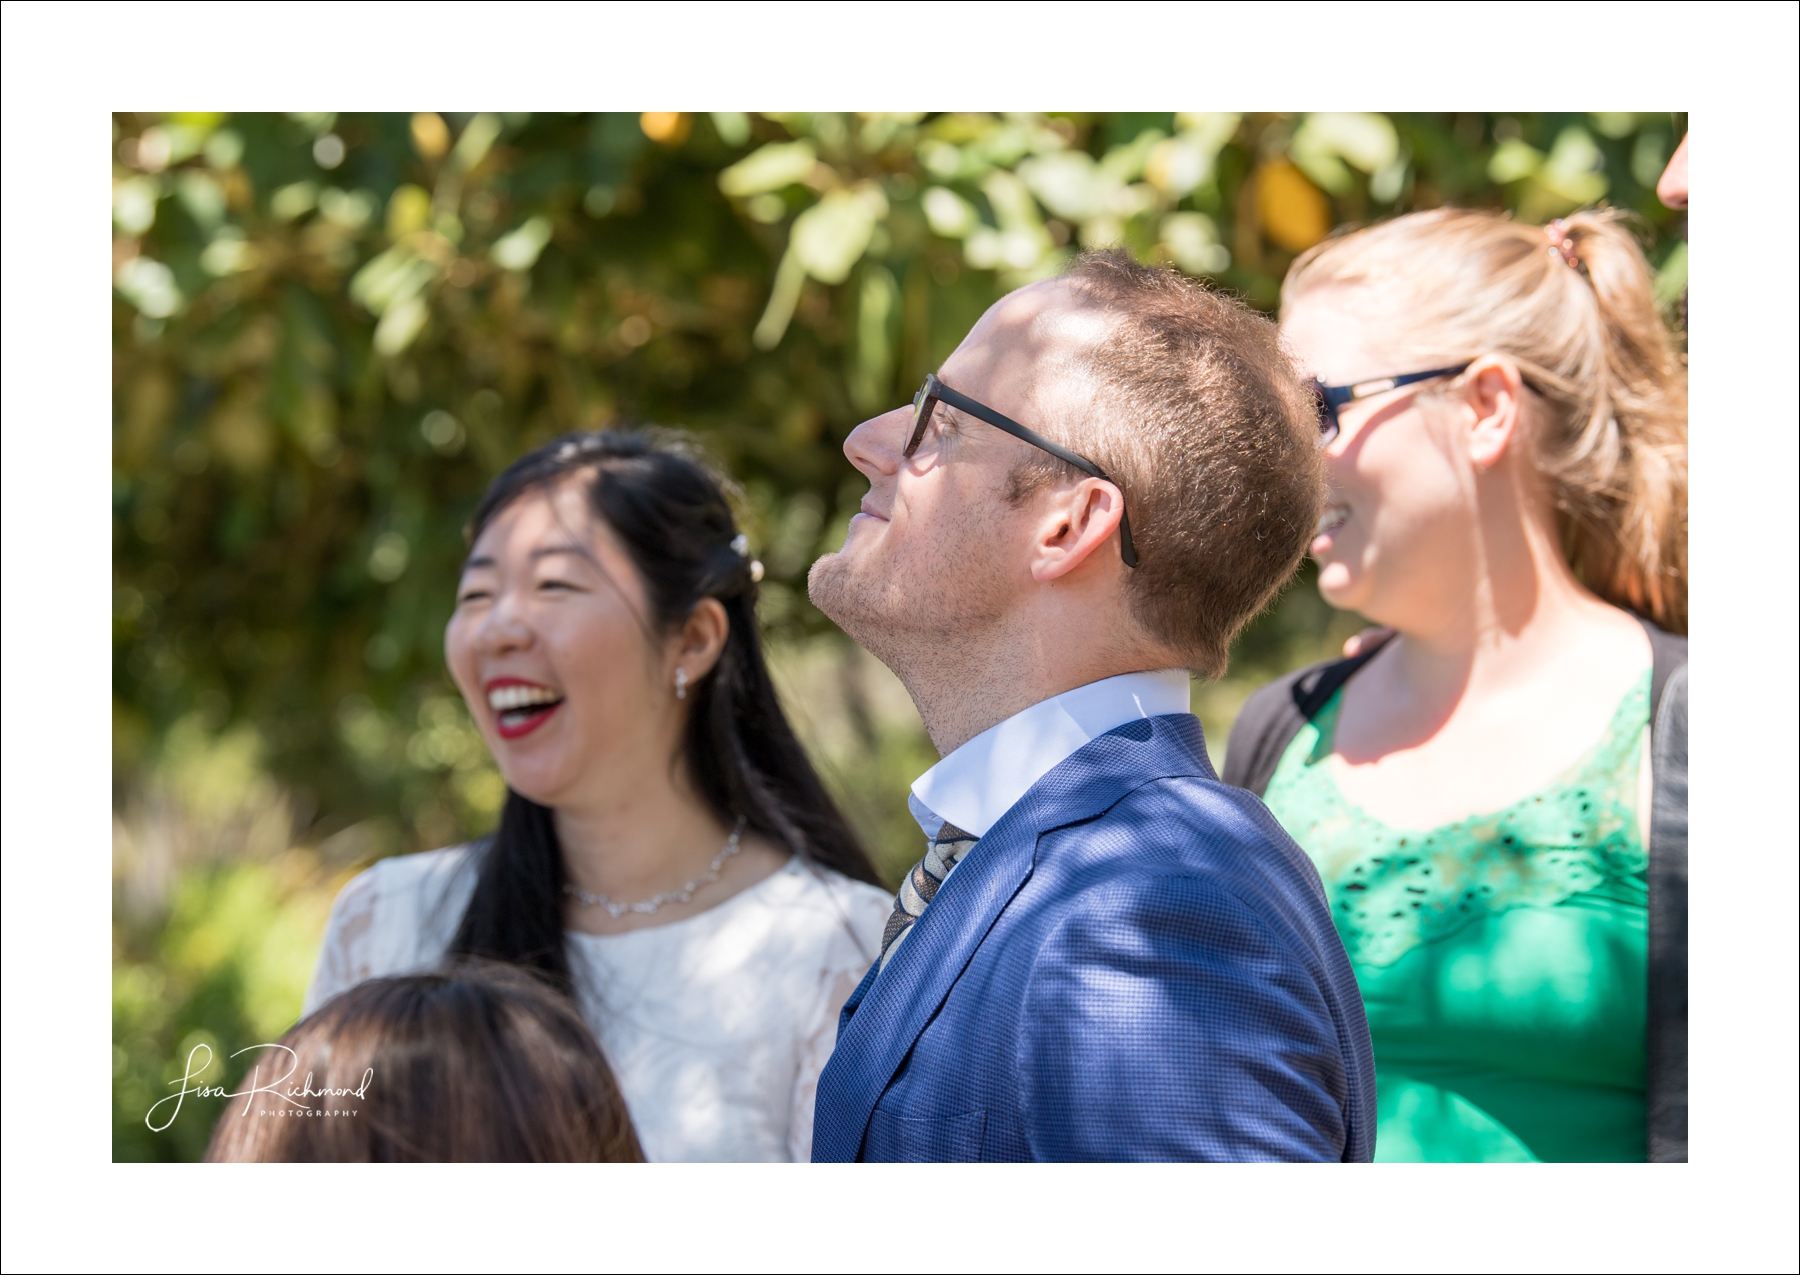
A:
{"x":941,"y":854}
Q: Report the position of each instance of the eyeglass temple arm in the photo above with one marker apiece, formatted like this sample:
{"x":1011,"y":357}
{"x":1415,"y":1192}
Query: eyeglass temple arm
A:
{"x":982,"y":411}
{"x":1338,"y":395}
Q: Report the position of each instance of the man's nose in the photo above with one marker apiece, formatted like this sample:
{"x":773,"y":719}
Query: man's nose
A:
{"x":876,"y":446}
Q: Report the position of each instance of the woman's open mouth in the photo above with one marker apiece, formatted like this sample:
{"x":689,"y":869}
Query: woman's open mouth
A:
{"x":520,"y":707}
{"x":1334,"y":517}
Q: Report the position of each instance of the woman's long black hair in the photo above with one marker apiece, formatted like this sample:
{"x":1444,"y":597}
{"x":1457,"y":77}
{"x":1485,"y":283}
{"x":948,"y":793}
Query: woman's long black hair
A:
{"x":670,"y":514}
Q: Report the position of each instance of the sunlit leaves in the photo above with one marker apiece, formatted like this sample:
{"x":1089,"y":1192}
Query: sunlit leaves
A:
{"x":348,"y":210}
{"x":1671,"y":280}
{"x":1012,"y":190}
{"x":134,"y":204}
{"x":949,"y":214}
{"x":408,"y":209}
{"x":1021,"y":241}
{"x":316,"y":366}
{"x":1514,"y":160}
{"x":202,"y":196}
{"x":827,"y":240}
{"x":150,"y":286}
{"x":733,"y":127}
{"x":519,"y":250}
{"x":293,"y":201}
{"x":227,"y":253}
{"x":388,"y":557}
{"x":878,"y":308}
{"x":770,"y":168}
{"x":1192,"y":241}
{"x":1328,"y":144}
{"x":1548,"y":185}
{"x":1178,"y":164}
{"x":1071,"y":184}
{"x":831,"y":236}
{"x":477,"y":137}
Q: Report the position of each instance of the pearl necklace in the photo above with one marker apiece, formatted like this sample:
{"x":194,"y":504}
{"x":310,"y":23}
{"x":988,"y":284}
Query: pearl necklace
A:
{"x":683,"y":895}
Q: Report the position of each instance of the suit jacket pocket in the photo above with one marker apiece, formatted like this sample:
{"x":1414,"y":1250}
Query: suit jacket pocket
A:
{"x":924,"y":1139}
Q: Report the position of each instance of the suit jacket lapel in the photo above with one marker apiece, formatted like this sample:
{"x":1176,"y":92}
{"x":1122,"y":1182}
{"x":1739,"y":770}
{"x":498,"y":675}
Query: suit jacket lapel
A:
{"x":889,"y":1008}
{"x":856,"y":996}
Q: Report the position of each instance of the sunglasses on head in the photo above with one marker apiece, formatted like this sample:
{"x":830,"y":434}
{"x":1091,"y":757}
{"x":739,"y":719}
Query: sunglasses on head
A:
{"x":934,"y":391}
{"x":1332,"y":397}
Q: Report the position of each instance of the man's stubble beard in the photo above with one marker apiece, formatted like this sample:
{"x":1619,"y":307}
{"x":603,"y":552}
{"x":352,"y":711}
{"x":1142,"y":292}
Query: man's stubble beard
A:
{"x":855,"y":605}
{"x":913,"y":616}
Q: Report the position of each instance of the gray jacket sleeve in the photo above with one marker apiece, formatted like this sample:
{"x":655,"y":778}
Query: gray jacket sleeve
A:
{"x":1666,"y":1052}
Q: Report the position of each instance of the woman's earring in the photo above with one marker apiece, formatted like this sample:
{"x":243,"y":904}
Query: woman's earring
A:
{"x":680,"y":683}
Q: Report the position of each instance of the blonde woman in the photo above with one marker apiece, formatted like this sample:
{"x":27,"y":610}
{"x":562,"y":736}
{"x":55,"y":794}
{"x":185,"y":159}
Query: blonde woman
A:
{"x":1505,"y":421}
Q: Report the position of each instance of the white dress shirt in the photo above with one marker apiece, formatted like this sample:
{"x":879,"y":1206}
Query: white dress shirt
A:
{"x":979,"y":782}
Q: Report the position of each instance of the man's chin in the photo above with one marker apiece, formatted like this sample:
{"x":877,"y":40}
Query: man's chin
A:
{"x":828,"y":585}
{"x":836,"y":586}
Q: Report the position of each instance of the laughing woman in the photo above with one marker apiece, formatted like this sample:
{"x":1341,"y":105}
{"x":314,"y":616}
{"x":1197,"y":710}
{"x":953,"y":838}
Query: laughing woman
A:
{"x":1495,"y":796}
{"x":666,"y":853}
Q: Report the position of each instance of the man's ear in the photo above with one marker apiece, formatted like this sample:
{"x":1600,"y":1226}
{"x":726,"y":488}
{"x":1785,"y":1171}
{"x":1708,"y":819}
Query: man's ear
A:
{"x":1077,"y":523}
{"x":1494,"y":392}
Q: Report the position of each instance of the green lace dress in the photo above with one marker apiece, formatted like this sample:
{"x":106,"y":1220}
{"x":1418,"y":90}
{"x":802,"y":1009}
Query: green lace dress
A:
{"x":1501,"y":958}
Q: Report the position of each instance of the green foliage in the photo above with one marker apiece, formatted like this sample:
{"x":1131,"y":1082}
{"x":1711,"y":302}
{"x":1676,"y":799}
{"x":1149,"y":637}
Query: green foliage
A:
{"x":330,"y":331}
{"x":216,"y":921}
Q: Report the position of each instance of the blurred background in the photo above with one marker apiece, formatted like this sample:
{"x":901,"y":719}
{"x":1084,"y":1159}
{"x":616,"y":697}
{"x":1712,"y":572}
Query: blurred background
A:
{"x":330,"y":331}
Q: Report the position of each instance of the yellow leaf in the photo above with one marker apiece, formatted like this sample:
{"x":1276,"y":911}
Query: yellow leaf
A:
{"x":430,"y":135}
{"x":409,"y":208}
{"x":665,"y":128}
{"x":1295,"y":213}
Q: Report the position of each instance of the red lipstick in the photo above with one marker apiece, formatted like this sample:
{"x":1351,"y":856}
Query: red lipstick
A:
{"x":520,"y":706}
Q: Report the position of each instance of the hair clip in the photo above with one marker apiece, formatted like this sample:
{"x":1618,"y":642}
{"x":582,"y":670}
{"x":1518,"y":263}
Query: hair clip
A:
{"x":1561,"y":243}
{"x":740,"y":545}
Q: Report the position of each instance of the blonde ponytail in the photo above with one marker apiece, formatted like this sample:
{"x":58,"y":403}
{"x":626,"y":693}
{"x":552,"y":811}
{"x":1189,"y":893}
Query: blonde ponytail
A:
{"x":1573,"y":305}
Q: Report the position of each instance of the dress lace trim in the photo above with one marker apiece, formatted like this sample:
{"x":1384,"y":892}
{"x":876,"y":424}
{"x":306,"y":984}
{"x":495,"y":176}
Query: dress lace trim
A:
{"x":1393,"y":889}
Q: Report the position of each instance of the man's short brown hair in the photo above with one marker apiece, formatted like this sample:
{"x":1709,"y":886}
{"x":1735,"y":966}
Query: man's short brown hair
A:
{"x":1214,"y":439}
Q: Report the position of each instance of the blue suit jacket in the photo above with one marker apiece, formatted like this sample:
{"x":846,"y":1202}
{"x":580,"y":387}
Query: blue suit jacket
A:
{"x":1136,"y":963}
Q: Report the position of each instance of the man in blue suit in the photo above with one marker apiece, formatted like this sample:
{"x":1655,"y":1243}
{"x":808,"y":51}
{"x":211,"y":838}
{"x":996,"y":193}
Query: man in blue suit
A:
{"x":1106,"y":953}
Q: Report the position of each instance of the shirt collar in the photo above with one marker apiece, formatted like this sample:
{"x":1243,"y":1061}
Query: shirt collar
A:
{"x":979,"y":782}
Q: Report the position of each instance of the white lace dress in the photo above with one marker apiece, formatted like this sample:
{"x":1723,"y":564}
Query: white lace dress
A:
{"x":717,"y":1026}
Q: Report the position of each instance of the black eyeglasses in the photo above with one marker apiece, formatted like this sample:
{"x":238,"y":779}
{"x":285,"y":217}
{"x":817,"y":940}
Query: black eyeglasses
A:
{"x":934,"y":391}
{"x":1332,"y":397}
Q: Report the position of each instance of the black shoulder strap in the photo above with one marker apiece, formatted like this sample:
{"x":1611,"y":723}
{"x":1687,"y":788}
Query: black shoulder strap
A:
{"x":1274,"y":715}
{"x":1312,"y":693}
{"x":1260,"y":734}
